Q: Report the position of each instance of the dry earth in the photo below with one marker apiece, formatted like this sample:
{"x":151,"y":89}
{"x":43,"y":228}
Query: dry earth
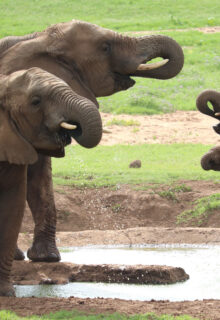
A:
{"x":105,"y":216}
{"x":177,"y":127}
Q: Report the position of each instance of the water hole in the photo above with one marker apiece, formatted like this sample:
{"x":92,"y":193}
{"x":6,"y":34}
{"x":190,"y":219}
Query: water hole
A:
{"x":201,"y":262}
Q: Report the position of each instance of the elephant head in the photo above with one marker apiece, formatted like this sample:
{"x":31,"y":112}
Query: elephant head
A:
{"x":39,"y":111}
{"x":211,"y":160}
{"x":94,"y":61}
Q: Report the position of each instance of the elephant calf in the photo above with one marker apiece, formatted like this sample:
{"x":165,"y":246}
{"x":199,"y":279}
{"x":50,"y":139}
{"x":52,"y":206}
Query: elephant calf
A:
{"x":38,"y":113}
{"x":211,"y":160}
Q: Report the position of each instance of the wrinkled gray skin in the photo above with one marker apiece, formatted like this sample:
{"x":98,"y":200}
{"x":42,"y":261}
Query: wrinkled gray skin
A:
{"x":211,"y":160}
{"x":33,"y":105}
{"x":94,"y":62}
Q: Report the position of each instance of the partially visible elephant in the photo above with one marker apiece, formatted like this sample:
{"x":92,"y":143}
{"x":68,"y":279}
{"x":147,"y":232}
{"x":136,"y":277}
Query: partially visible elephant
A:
{"x":35,"y":109}
{"x":94,"y":62}
{"x":211,"y":160}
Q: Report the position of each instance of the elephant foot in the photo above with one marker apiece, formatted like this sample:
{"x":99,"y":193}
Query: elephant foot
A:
{"x":19,"y":255}
{"x":6,"y":289}
{"x":43,"y":251}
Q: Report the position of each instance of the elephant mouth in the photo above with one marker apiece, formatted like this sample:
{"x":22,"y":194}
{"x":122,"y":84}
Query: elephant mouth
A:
{"x":213,"y":166}
{"x":123,"y":82}
{"x":217,"y":128}
{"x":64,"y":135}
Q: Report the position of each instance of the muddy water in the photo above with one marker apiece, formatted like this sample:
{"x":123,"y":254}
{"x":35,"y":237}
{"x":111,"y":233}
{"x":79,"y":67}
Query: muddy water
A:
{"x":202,"y":263}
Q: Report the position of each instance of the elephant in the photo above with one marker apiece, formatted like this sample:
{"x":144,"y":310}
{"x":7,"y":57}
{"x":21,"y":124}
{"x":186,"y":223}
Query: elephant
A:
{"x":94,"y":62}
{"x":39,"y":113}
{"x":211,"y":160}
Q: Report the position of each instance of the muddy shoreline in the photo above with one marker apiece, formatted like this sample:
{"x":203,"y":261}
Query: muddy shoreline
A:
{"x":132,"y":236}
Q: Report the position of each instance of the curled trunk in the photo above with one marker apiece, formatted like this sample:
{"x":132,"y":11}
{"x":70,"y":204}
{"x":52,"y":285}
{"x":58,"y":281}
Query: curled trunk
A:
{"x":85,"y":115}
{"x":79,"y":116}
{"x":150,"y":47}
{"x":213,"y":97}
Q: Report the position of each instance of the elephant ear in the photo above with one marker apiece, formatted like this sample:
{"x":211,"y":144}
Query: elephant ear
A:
{"x":13,"y":147}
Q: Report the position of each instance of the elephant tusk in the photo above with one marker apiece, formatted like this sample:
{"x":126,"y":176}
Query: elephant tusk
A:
{"x":152,"y":66}
{"x":217,"y":114}
{"x":106,"y":131}
{"x":68,"y":126}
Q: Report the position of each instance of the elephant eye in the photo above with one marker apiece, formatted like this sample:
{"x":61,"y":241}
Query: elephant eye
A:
{"x":106,"y":47}
{"x":35,"y":101}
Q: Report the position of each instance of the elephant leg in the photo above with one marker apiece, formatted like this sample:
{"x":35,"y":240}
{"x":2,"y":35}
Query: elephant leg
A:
{"x":12,"y":203}
{"x":41,"y":202}
{"x":19,"y":255}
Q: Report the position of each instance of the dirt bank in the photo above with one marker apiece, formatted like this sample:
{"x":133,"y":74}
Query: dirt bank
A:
{"x":206,"y":309}
{"x":107,"y":209}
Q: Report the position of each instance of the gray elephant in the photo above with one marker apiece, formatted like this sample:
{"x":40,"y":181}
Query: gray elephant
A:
{"x":38,"y":113}
{"x":94,"y":62}
{"x":211,"y":160}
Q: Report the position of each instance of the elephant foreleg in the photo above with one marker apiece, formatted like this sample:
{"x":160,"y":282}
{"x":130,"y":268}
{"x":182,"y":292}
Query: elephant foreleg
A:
{"x":12,"y":203}
{"x":41,"y":202}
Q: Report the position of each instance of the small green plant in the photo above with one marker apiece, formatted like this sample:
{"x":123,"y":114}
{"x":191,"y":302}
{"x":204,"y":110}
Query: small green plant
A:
{"x":66,"y":213}
{"x":181,"y":188}
{"x":63,"y":249}
{"x":116,"y":208}
{"x":211,"y":21}
{"x":60,"y":191}
{"x":135,"y":130}
{"x":122,"y":122}
{"x":203,"y":208}
{"x":168,"y":194}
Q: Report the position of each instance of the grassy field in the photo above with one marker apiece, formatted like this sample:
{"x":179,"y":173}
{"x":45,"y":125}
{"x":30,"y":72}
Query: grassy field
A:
{"x":108,"y":165}
{"x":24,"y":16}
{"x":4,"y":315}
{"x":202,"y":60}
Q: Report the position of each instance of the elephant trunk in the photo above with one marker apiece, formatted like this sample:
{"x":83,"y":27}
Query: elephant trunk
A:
{"x":213,"y":97}
{"x":83,"y":114}
{"x":150,"y":47}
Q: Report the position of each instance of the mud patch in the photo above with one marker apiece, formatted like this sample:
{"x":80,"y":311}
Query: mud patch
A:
{"x":27,"y":273}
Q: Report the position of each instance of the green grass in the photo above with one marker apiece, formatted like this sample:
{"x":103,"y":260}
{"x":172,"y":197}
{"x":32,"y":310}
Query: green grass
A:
{"x":203,"y":208}
{"x":109,"y":165}
{"x":122,"y":15}
{"x":75,"y":315}
{"x":122,"y":122}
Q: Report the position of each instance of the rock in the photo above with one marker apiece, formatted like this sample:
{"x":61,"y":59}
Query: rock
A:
{"x":135,"y":164}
